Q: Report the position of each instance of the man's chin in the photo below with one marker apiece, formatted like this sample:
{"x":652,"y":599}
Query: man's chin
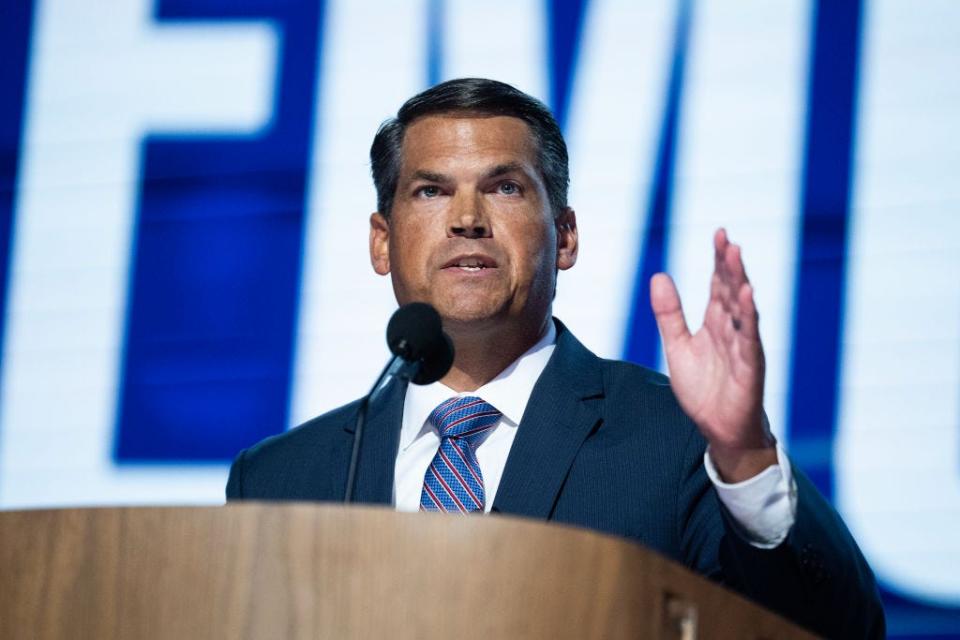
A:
{"x":462,"y":318}
{"x":466,"y":320}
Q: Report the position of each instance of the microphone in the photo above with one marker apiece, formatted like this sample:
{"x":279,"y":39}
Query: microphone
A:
{"x":415,"y":336}
{"x":422,"y":353}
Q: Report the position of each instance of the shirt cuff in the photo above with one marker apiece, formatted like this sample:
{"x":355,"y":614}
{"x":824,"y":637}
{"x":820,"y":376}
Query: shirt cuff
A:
{"x":765,"y":506}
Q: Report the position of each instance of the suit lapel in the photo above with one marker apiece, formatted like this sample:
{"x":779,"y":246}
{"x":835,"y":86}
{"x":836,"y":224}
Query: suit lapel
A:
{"x":563,"y":409}
{"x":378,"y":453}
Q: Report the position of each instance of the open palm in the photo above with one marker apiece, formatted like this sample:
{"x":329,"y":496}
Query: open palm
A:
{"x":717,"y":373}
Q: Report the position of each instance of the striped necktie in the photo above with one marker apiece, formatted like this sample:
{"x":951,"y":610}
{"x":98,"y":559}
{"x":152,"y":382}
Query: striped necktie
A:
{"x":453,"y":482}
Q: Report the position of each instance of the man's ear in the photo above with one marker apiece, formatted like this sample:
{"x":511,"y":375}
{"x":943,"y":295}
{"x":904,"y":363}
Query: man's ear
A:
{"x":380,"y":243}
{"x":567,"y":239}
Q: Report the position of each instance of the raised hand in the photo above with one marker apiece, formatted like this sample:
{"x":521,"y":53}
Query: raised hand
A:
{"x":717,"y":373}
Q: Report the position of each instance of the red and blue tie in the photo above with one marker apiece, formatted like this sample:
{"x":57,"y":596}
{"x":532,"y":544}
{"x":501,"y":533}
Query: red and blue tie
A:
{"x":453,"y":482}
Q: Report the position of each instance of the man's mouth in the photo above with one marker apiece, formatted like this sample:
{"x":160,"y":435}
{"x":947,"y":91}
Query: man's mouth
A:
{"x":471,"y":263}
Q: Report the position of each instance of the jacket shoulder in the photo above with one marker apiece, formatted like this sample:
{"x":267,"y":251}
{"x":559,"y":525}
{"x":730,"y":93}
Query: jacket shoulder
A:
{"x":306,"y":433}
{"x":299,"y":464}
{"x":635,"y":385}
{"x":632,"y":373}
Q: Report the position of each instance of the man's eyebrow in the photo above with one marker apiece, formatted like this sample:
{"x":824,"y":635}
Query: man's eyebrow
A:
{"x":493,"y":172}
{"x":428,"y":176}
{"x":507,"y":167}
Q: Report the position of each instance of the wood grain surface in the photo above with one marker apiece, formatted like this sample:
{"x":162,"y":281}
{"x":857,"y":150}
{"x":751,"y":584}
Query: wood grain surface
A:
{"x":315,"y":571}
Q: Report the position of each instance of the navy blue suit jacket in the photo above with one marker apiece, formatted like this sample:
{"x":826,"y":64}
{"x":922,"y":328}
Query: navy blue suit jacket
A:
{"x":603,"y":444}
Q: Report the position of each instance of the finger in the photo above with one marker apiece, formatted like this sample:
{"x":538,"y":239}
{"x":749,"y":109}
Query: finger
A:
{"x":716,"y":322}
{"x":720,"y":243}
{"x":720,"y":240}
{"x":748,"y":318}
{"x":748,"y":348}
{"x":736,"y":279}
{"x":667,"y":310}
{"x":744,"y":308}
{"x":719,"y":291}
{"x":727,"y":275}
{"x":719,"y":281}
{"x":733,"y":263}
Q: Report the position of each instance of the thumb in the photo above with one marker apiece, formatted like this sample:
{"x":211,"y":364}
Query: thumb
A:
{"x":667,"y":309}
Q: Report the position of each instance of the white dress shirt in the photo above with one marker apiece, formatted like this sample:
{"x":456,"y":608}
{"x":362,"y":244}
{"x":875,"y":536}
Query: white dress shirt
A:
{"x":764,"y":506}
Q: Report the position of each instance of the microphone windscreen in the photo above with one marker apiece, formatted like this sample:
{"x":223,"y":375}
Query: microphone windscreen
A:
{"x":415,"y":333}
{"x":436,"y":362}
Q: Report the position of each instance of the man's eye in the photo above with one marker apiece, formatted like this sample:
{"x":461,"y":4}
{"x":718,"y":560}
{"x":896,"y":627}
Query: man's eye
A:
{"x":429,"y":191}
{"x":509,"y":188}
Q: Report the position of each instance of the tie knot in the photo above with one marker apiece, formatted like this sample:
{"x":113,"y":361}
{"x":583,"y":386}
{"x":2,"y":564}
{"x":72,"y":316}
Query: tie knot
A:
{"x":464,"y":417}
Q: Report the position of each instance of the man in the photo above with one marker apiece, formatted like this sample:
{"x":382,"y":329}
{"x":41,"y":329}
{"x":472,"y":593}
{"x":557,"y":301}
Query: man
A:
{"x":472,"y":218}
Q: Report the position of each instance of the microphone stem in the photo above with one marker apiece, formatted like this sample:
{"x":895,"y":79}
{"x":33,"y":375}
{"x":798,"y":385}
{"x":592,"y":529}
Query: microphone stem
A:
{"x":396,"y":367}
{"x":355,"y":453}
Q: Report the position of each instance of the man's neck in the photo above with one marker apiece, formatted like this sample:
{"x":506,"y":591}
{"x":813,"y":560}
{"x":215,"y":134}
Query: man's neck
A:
{"x":480,"y":355}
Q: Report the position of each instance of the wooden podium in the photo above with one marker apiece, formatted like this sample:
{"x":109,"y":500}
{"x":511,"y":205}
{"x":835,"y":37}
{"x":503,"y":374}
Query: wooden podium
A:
{"x":313,"y":571}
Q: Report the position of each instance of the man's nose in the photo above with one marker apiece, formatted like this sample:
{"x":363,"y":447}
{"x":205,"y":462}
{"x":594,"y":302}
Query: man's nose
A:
{"x":468,"y":218}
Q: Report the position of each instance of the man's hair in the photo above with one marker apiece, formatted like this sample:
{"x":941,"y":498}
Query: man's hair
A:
{"x":472,"y":97}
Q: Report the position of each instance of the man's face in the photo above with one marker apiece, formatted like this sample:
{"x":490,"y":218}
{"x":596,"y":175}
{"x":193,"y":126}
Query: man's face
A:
{"x":471,"y":231}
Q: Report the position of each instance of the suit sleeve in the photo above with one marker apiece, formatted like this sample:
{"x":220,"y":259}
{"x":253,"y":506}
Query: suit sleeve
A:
{"x":235,"y":481}
{"x":816,"y":577}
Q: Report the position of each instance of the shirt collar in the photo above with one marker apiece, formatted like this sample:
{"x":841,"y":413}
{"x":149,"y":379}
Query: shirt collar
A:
{"x":509,"y":392}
